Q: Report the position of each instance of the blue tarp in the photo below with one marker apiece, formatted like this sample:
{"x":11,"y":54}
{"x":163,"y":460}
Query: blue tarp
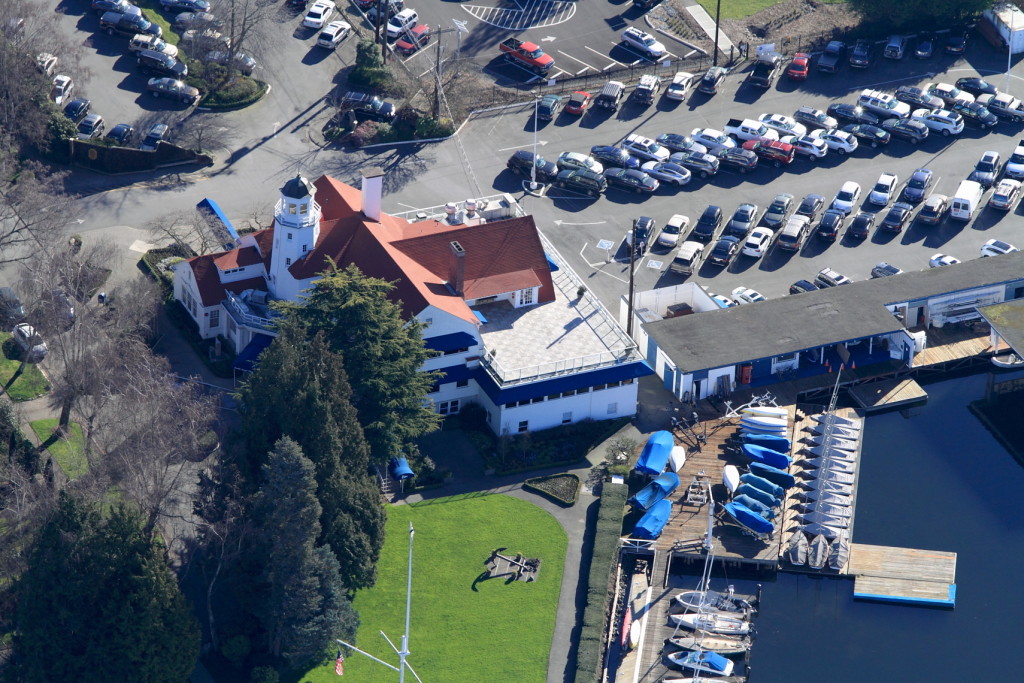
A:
{"x":755,"y":505}
{"x":659,"y":489}
{"x":217,"y":217}
{"x":766,"y":456}
{"x":551,"y":263}
{"x":773,"y":474}
{"x":450,"y":342}
{"x":763,"y":484}
{"x":656,"y":453}
{"x":246,"y":360}
{"x":651,"y":524}
{"x":777,"y":443}
{"x":748,"y":518}
{"x":757,"y":494}
{"x":399,"y":469}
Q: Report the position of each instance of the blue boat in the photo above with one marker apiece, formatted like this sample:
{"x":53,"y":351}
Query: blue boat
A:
{"x":656,"y":452}
{"x":766,"y":456}
{"x":659,"y":489}
{"x":650,"y":525}
{"x":776,"y":443}
{"x":758,"y":495}
{"x":749,"y":519}
{"x":773,"y":474}
{"x":763,"y":484}
{"x":754,"y":505}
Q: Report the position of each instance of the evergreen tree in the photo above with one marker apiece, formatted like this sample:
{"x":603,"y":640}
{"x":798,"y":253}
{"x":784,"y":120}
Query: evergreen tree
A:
{"x":909,"y":14}
{"x":300,"y":390}
{"x":382,"y":353}
{"x":98,"y":602}
{"x":305,"y":606}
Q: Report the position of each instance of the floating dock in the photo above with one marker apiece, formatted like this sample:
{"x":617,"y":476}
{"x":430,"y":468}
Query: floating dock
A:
{"x":888,"y":393}
{"x":903,"y":575}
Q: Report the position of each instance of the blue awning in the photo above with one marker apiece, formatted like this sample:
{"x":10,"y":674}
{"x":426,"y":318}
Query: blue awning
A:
{"x":551,"y":263}
{"x":580,"y":380}
{"x":450,"y":342}
{"x":211,"y":208}
{"x":455,"y":373}
{"x":399,"y":469}
{"x":246,"y":360}
{"x":480,"y":317}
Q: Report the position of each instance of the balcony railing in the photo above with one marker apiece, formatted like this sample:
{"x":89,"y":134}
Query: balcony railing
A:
{"x":243,"y":316}
{"x":541,"y":371}
{"x":305,"y":220}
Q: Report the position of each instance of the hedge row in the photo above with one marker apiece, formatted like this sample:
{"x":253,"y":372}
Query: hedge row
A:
{"x":561,"y":488}
{"x":602,"y":567}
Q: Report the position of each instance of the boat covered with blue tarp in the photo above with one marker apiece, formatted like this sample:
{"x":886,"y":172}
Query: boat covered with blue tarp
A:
{"x":659,"y":489}
{"x":656,"y":453}
{"x":651,"y":524}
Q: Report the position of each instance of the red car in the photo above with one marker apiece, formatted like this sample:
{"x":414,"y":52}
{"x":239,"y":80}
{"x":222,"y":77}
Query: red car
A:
{"x":799,"y":67}
{"x":778,"y":153}
{"x":578,"y":103}
{"x":413,"y":40}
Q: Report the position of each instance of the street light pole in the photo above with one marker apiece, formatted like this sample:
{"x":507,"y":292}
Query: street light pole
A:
{"x":718,"y":14}
{"x":1009,"y":52}
{"x":533,"y":167}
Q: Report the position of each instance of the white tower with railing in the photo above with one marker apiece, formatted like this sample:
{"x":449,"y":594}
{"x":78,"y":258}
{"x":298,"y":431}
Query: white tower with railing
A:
{"x":296,"y":230}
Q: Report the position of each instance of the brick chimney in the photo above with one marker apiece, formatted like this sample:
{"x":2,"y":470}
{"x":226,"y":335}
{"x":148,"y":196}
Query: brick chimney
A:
{"x":457,"y":268}
{"x":373,"y":187}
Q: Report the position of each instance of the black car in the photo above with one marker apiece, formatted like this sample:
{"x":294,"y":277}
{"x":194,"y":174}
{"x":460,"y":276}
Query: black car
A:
{"x":956,"y":43}
{"x":911,"y":131}
{"x":185,"y":5}
{"x":614,"y":157}
{"x":102,"y":6}
{"x":522,"y":161}
{"x":810,"y":206}
{"x":918,"y":185}
{"x":897,"y":217}
{"x":743,"y":219}
{"x":708,"y":224}
{"x":988,"y":169}
{"x":867,"y":134}
{"x":368,"y":107}
{"x":976,"y":86}
{"x":643,"y":228}
{"x":674,"y":142}
{"x":121,"y":134}
{"x":831,"y":224}
{"x":196,"y":20}
{"x":697,"y":163}
{"x":814,"y":118}
{"x":851,"y":113}
{"x":918,"y":98}
{"x":77,"y":108}
{"x":713,"y":78}
{"x":862,"y":54}
{"x":861,"y":225}
{"x":832,"y":57}
{"x":884,"y":269}
{"x":975,"y":114}
{"x":549,"y":107}
{"x":115,"y":23}
{"x":631,"y":179}
{"x":152,"y":61}
{"x":584,"y":182}
{"x":174,"y":89}
{"x":724,"y":250}
{"x":925,"y":47}
{"x":736,"y":158}
{"x":801,"y":286}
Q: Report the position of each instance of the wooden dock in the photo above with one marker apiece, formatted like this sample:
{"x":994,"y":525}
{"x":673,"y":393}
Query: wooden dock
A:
{"x":903,"y":575}
{"x":888,"y":393}
{"x":954,"y":344}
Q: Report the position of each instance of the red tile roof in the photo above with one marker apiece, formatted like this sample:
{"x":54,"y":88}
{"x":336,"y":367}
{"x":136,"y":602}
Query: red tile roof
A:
{"x":237,"y":258}
{"x":211,"y":290}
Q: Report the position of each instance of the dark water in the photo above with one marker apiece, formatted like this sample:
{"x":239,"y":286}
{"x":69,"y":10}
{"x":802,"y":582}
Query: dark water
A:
{"x":939,"y":481}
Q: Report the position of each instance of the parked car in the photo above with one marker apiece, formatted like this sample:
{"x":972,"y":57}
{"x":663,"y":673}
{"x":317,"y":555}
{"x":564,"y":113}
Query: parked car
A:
{"x":918,"y":98}
{"x":800,"y":67}
{"x":975,"y":114}
{"x":996,"y":248}
{"x":578,"y":103}
{"x":810,"y":206}
{"x":185,"y":5}
{"x":631,"y":179}
{"x":242,"y":62}
{"x":939,"y":120}
{"x":897,"y":217}
{"x":92,"y":126}
{"x":319,"y":14}
{"x":852,"y":113}
{"x":333,"y":33}
{"x":862,"y":54}
{"x":758,"y":242}
{"x":988,"y":169}
{"x":667,"y":172}
{"x":174,"y":89}
{"x":895,"y":48}
{"x":724,"y":251}
{"x":121,"y":134}
{"x":806,"y":145}
{"x":144,"y":41}
{"x":548,"y":108}
{"x":522,"y":162}
{"x":30,"y":342}
{"x":838,"y":141}
{"x":62,"y":89}
{"x":746,"y":295}
{"x":884,"y":189}
{"x":1006,"y":194}
{"x":115,"y":23}
{"x":830,"y":278}
{"x":918,"y":185}
{"x":847,"y":197}
{"x":925,"y":47}
{"x":868,"y":134}
{"x":673,"y":231}
{"x":196,"y":20}
{"x":779,"y":210}
{"x":703,"y":165}
{"x":911,"y":131}
{"x":861,"y":226}
{"x":674,"y":142}
{"x":949,"y":94}
{"x":934,"y":209}
{"x":976,"y":86}
{"x":712,"y":80}
{"x":156,"y":134}
{"x":643,"y":229}
{"x":679,"y":86}
{"x":801,"y":286}
{"x":368,"y":107}
{"x":743,"y":219}
{"x":738,"y":159}
{"x":643,"y":42}
{"x":832,"y":57}
{"x":956,"y":43}
{"x":784,"y":125}
{"x":778,"y":153}
{"x":77,"y":108}
{"x":12,"y":311}
{"x":582,"y":181}
{"x":645,"y":148}
{"x":413,"y":40}
{"x":151,"y":61}
{"x":46,"y":63}
{"x":814,"y":118}
{"x":58,"y":306}
{"x":708,"y":224}
{"x":830,"y":225}
{"x":940,"y":260}
{"x":614,"y":157}
{"x":575,"y":160}
{"x":712,"y":139}
{"x":885,"y":269}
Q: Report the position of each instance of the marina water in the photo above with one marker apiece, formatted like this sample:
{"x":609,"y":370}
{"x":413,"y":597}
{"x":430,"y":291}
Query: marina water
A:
{"x":937,"y":481}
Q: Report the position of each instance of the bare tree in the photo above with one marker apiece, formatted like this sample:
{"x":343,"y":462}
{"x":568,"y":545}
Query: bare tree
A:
{"x":192,"y":230}
{"x":34,"y":212}
{"x":203,"y":132}
{"x":245,"y":23}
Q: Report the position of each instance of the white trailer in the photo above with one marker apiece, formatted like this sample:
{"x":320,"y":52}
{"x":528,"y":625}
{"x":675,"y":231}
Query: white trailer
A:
{"x":1008,"y":22}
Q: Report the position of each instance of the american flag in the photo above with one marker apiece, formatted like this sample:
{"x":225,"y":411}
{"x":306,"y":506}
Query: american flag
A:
{"x":339,"y":664}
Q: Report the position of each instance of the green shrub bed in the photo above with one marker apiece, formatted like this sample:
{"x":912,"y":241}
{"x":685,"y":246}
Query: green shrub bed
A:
{"x":561,"y":488}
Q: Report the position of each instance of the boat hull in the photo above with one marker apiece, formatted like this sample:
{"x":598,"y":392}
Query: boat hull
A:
{"x":817,"y":556}
{"x":724,"y":645}
{"x":731,"y":478}
{"x":766,"y":456}
{"x":767,"y":411}
{"x":796,"y":552}
{"x":677,"y":458}
{"x":763,"y":484}
{"x":711,"y":623}
{"x":826,"y":418}
{"x":757,"y":494}
{"x":772,"y":441}
{"x":773,"y":474}
{"x":1008,"y":361}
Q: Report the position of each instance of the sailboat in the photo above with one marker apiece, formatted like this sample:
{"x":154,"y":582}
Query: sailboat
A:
{"x":709,"y":599}
{"x":822,"y":518}
{"x":840,"y":552}
{"x":840,"y":499}
{"x":834,"y":430}
{"x":677,"y":458}
{"x":821,"y":461}
{"x":710,"y":642}
{"x":837,"y":442}
{"x":731,"y":478}
{"x":748,"y":519}
{"x":796,"y":552}
{"x":818,"y":553}
{"x":762,"y":484}
{"x":827,"y":486}
{"x":760,"y":508}
{"x":828,"y":509}
{"x":713,"y":622}
{"x":830,"y":474}
{"x":704,"y":662}
{"x":830,"y":452}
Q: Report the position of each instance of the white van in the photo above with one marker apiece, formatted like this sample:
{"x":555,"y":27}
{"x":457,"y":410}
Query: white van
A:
{"x":966,"y":200}
{"x":883,"y":104}
{"x":402,"y":22}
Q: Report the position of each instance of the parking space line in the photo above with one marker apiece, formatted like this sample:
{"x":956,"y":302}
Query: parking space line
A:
{"x":600,"y":54}
{"x":576,"y":59}
{"x":563,"y":73}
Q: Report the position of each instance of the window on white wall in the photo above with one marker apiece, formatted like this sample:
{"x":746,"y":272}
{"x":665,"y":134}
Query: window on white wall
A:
{"x":448,"y":407}
{"x":525,"y":297}
{"x":215,"y":318}
{"x":567,"y":417}
{"x":462,"y":383}
{"x":524,"y":426}
{"x":613,"y":408}
{"x":289,"y":236}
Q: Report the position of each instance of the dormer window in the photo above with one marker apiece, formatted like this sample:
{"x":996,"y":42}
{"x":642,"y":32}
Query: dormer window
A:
{"x":291,"y":209}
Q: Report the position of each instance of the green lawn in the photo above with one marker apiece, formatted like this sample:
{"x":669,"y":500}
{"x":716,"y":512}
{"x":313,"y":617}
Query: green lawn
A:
{"x":69,"y":451}
{"x":461,"y":632}
{"x":30,"y":384}
{"x":151,"y":10}
{"x":738,"y":9}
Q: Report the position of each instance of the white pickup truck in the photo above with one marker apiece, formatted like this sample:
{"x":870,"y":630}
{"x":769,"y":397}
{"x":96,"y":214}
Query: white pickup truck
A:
{"x":748,"y":129}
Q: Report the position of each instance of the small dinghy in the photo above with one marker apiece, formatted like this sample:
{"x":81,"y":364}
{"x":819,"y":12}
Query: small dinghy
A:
{"x":765,"y":422}
{"x":818,"y":463}
{"x":822,"y":530}
{"x":829,"y":418}
{"x":758,"y":495}
{"x":828,"y":509}
{"x":711,"y":642}
{"x":772,"y":441}
{"x":1008,"y":361}
{"x":835,"y":430}
{"x":715,"y":622}
{"x":766,"y":456}
{"x":822,"y":518}
{"x":797,"y":550}
{"x":773,"y":474}
{"x":677,"y":458}
{"x":766,"y":411}
{"x":710,"y":663}
{"x":760,"y":508}
{"x":763,"y":484}
{"x":713,"y":600}
{"x":817,"y":554}
{"x":748,"y":519}
{"x":840,"y":554}
{"x":731,"y":478}
{"x":834,"y":442}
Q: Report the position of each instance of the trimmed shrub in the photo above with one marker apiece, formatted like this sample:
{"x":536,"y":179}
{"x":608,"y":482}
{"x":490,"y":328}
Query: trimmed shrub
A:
{"x":427,"y":128}
{"x":561,"y":488}
{"x":599,"y":580}
{"x":264,"y":674}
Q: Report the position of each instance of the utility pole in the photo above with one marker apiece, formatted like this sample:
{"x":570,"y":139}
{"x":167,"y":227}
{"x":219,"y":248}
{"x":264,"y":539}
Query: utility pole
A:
{"x":437,"y":74}
{"x":632,"y":262}
{"x":376,"y":30}
{"x":718,"y":14}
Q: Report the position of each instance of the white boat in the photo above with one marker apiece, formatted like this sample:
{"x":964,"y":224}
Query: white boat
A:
{"x":834,"y":442}
{"x":711,"y":642}
{"x":715,"y":622}
{"x":713,"y":601}
{"x":818,"y":555}
{"x":765,"y":422}
{"x":813,"y":495}
{"x":840,"y":553}
{"x":837,"y":453}
{"x":731,"y":478}
{"x":820,"y":462}
{"x":1008,"y":361}
{"x":828,"y":418}
{"x":827,"y":486}
{"x":634,"y":634}
{"x":767,"y":411}
{"x":796,"y":552}
{"x":835,"y":430}
{"x":710,"y":663}
{"x":822,"y":518}
{"x":828,"y":509}
{"x":677,"y":458}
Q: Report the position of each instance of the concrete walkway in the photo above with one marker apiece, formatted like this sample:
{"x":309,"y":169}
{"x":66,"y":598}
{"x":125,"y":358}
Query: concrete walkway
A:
{"x":707,"y":24}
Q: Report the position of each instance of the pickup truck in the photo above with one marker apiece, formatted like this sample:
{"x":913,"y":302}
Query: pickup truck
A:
{"x":527,"y":54}
{"x":765,"y":70}
{"x":748,"y":129}
{"x":832,"y":58}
